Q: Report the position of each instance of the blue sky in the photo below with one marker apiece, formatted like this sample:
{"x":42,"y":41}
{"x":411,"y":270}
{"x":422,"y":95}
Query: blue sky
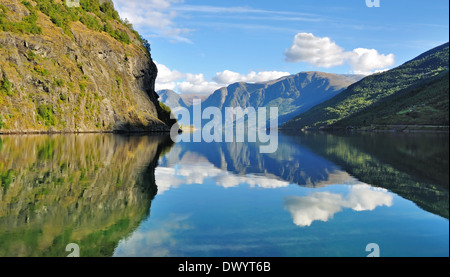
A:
{"x":202,"y":45}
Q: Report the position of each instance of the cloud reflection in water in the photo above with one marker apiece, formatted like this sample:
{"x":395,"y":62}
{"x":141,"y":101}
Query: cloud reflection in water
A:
{"x":322,"y":206}
{"x":185,"y":174}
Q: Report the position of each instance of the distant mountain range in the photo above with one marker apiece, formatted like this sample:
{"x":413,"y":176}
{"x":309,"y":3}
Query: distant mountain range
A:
{"x":292,"y":95}
{"x":189,"y":98}
{"x":171,"y":99}
{"x":174,"y":100}
{"x":413,"y":93}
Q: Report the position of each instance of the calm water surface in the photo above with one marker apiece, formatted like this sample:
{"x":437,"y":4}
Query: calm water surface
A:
{"x":319,"y":195}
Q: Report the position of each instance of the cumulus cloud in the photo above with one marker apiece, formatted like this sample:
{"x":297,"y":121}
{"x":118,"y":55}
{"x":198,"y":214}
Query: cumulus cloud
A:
{"x":364,"y":61}
{"x":322,"y":206}
{"x":316,"y":51}
{"x":198,"y":84}
{"x":167,"y":78}
{"x":322,"y":52}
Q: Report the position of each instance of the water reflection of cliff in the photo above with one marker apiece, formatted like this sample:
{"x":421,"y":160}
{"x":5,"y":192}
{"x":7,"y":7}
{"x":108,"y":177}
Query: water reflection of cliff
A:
{"x":414,"y":166}
{"x":92,"y":190}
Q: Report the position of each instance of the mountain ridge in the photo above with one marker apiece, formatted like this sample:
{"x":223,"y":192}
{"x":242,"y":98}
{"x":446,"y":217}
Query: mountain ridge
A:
{"x":291,"y":94}
{"x":171,"y":99}
{"x":372,"y":89}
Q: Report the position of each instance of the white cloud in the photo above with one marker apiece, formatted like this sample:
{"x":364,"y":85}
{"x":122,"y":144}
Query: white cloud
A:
{"x":198,"y":84}
{"x":249,"y":13}
{"x":364,"y":61}
{"x":322,"y":52}
{"x":166,"y":179}
{"x":366,"y":198}
{"x":188,"y":174}
{"x":167,"y":78}
{"x":322,"y":206}
{"x":229,"y":77}
{"x":154,"y":15}
{"x":230,"y":180}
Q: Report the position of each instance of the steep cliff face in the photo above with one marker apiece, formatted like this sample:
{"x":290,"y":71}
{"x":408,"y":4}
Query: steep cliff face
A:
{"x":74,"y":69}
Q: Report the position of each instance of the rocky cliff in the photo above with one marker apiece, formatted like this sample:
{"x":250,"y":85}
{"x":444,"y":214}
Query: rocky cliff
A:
{"x":74,"y":69}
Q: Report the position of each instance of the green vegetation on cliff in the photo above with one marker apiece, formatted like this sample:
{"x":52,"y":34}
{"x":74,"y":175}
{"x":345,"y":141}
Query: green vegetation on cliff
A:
{"x":74,"y":69}
{"x":6,"y":87}
{"x":26,"y":26}
{"x":46,"y":113}
{"x":424,"y":104}
{"x":95,"y":16}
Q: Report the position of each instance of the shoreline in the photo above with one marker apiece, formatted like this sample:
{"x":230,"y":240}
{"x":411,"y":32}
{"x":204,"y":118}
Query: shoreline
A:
{"x":378,"y":129}
{"x":83,"y":132}
{"x":399,"y":128}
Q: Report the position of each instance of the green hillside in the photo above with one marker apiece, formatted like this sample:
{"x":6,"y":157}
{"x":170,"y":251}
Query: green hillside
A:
{"x":375,"y":88}
{"x":424,"y":104}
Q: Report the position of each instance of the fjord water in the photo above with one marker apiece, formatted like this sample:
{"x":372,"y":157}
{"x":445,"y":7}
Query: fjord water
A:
{"x":318,"y":195}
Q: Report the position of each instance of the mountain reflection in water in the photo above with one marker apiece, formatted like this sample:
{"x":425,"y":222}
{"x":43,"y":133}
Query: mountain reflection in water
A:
{"x":224,"y":199}
{"x":414,"y":166}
